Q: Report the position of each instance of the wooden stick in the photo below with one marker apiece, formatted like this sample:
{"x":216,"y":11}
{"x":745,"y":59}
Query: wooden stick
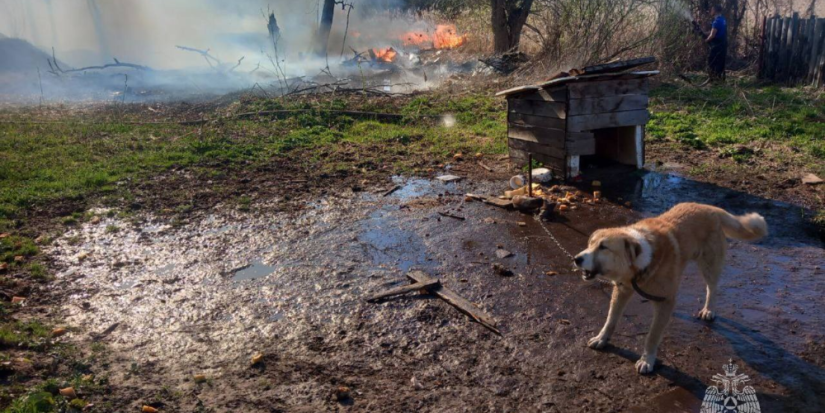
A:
{"x":432,"y":282}
{"x":391,"y":190}
{"x":485,"y":167}
{"x":456,"y":301}
{"x":444,"y":214}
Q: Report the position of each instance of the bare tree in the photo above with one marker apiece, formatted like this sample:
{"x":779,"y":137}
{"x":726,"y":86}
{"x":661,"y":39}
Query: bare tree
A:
{"x":322,"y":37}
{"x":508,"y":19}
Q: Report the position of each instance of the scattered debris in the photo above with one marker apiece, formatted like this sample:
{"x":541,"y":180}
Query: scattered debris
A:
{"x":4,"y":235}
{"x":257,"y":358}
{"x":526,"y":203}
{"x":550,"y":273}
{"x":19,"y":258}
{"x":502,"y":271}
{"x":522,"y":224}
{"x":4,"y":266}
{"x":485,"y":167}
{"x":811,"y":179}
{"x":342,"y":393}
{"x":391,"y":190}
{"x":148,"y":409}
{"x":17,"y":300}
{"x":199,"y":378}
{"x":57,"y":332}
{"x":404,"y":290}
{"x":492,"y":201}
{"x":563,"y":208}
{"x":449,"y":178}
{"x":106,"y":332}
{"x":502,"y":253}
{"x":68,"y":393}
{"x":448,"y":215}
{"x":458,"y":157}
{"x":455,"y":300}
{"x":416,"y":384}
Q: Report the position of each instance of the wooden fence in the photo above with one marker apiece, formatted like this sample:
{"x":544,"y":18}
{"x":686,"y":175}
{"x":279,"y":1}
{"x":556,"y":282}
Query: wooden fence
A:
{"x":793,"y":50}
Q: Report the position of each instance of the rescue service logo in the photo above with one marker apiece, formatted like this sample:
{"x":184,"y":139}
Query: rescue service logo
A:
{"x":726,"y":396}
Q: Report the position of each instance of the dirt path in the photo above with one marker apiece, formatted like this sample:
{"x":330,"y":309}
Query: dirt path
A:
{"x":203,"y":298}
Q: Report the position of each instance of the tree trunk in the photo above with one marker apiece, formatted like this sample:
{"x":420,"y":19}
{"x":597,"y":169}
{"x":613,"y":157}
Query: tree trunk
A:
{"x":508,"y":19}
{"x":322,"y":37}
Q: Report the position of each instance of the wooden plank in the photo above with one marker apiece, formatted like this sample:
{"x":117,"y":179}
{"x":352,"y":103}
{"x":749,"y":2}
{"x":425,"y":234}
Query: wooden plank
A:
{"x":538,"y":108}
{"x":776,"y":33}
{"x":762,"y":45}
{"x":405,"y":289}
{"x":545,"y":95}
{"x":810,"y":27}
{"x":537,"y":148}
{"x":815,"y":48}
{"x":550,"y":137}
{"x":781,"y":57}
{"x":608,"y":104}
{"x":792,"y":37}
{"x":554,"y":164}
{"x":456,"y":301}
{"x":617,"y":66}
{"x":537,"y":121}
{"x":607,"y":88}
{"x":771,"y":45}
{"x":491,"y":200}
{"x":582,"y":147}
{"x":819,"y":49}
{"x":607,"y":120}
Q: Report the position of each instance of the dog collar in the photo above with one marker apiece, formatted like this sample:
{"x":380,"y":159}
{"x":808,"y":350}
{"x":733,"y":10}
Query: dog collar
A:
{"x":635,"y":285}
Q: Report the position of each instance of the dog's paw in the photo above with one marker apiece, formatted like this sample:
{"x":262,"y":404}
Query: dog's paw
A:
{"x":645,"y":364}
{"x":706,"y":315}
{"x":597,"y":342}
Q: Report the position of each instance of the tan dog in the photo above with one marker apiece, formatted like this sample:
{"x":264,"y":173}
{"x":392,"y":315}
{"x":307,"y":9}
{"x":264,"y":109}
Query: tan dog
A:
{"x":651,"y":255}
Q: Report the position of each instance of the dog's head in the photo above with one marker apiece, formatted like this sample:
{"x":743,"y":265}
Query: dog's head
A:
{"x":615,"y":254}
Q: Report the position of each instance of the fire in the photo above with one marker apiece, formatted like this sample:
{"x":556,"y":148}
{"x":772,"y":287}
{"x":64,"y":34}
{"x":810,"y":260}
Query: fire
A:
{"x":446,"y":37}
{"x":385,"y":55}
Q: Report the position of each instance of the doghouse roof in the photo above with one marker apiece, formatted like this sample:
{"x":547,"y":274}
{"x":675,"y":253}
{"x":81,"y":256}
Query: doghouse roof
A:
{"x":612,"y":71}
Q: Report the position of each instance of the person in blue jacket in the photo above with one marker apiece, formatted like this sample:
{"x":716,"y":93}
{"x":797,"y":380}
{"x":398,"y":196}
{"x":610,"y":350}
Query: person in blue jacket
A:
{"x":718,"y":41}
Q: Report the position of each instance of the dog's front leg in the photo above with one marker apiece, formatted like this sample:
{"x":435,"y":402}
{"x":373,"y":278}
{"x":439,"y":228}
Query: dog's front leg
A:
{"x":618,"y":301}
{"x":661,"y":316}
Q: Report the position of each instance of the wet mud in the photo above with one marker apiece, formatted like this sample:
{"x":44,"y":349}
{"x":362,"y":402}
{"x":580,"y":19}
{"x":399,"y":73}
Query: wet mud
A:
{"x":203,"y":298}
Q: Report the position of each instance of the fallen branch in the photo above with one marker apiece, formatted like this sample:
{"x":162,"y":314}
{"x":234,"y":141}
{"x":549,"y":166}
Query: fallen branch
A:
{"x":205,"y":53}
{"x":448,"y":215}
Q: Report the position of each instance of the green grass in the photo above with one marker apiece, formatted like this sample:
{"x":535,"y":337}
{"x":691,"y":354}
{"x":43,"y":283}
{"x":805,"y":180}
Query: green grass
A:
{"x":28,"y":334}
{"x":40,"y":163}
{"x":724,"y":118}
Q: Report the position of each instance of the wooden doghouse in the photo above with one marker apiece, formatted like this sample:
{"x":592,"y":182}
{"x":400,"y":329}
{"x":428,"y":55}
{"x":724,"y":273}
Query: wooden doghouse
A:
{"x":589,"y":113}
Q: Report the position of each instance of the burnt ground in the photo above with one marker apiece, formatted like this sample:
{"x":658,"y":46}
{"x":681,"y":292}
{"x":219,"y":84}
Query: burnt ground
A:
{"x":165,"y":300}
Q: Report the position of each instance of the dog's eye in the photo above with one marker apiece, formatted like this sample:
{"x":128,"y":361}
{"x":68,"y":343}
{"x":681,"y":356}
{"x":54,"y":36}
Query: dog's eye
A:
{"x":602,"y":247}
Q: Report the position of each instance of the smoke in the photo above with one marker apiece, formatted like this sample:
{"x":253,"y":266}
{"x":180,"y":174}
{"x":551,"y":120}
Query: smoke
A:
{"x":145,"y":32}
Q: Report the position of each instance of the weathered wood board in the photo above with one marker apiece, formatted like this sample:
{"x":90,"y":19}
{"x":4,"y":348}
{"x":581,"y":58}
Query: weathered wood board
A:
{"x":404,"y":289}
{"x":607,"y":120}
{"x":456,"y":301}
{"x":538,"y":108}
{"x":622,"y":103}
{"x":540,"y":121}
{"x":537,"y":148}
{"x":550,"y":137}
{"x":606,"y":88}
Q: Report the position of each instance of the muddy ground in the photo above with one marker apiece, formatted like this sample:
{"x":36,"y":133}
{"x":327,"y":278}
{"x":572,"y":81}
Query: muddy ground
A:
{"x":167,"y":301}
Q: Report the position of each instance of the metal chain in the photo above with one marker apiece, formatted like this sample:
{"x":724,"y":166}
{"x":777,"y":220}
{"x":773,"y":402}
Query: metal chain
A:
{"x":558,"y":244}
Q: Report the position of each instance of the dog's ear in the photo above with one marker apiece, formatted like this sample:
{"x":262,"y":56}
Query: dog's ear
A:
{"x":633,"y":250}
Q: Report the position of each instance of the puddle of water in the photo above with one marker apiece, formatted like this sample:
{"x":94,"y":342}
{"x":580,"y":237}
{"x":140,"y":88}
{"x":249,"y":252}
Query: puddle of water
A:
{"x":391,"y":245}
{"x":255,"y":270}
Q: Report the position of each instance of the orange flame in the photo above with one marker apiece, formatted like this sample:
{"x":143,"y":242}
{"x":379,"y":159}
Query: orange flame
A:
{"x":385,"y":55}
{"x":446,"y":37}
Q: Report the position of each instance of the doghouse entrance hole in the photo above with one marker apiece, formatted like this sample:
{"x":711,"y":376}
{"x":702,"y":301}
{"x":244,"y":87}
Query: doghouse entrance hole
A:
{"x":624,"y":145}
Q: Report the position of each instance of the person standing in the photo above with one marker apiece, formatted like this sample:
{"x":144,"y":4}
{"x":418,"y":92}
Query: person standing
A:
{"x":718,"y":41}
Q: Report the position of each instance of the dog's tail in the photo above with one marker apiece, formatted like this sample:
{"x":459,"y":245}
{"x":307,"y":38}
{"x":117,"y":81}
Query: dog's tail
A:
{"x":748,"y":227}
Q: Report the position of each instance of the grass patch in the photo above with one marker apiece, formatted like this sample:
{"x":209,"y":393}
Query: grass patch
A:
{"x":28,"y":334}
{"x":729,"y":117}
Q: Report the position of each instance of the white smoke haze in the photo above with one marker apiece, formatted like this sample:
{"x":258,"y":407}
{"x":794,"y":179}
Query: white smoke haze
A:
{"x":145,"y":32}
